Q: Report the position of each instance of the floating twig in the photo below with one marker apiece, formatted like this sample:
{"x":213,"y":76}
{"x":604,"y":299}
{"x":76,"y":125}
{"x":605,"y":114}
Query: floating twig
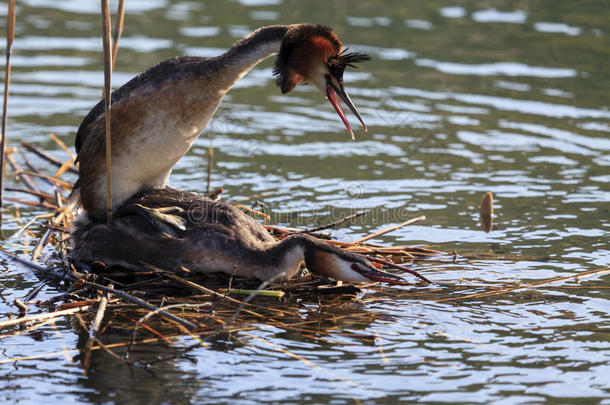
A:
{"x":578,"y":276}
{"x":261,"y":293}
{"x":330,"y":225}
{"x":23,"y":331}
{"x":399,"y":267}
{"x":40,"y":317}
{"x":390,"y":229}
{"x":23,"y":309}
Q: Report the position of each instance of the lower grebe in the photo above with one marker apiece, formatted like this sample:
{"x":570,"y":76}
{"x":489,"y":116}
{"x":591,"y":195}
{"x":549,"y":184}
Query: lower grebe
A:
{"x":215,"y":237}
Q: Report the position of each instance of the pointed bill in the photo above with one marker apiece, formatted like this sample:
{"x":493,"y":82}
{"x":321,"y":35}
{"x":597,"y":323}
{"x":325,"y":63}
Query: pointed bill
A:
{"x":377,"y":275}
{"x":331,"y":93}
{"x":332,"y":97}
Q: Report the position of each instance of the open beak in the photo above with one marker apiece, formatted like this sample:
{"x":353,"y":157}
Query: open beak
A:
{"x":332,"y":91}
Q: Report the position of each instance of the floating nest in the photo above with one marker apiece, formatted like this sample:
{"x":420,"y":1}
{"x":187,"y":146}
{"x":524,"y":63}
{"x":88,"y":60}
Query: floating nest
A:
{"x":50,"y":191}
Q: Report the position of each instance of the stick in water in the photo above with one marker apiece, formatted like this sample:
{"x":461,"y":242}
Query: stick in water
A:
{"x":390,"y":229}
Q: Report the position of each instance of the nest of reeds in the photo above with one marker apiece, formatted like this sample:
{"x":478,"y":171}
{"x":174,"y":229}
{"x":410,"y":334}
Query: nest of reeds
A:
{"x":159,"y":287}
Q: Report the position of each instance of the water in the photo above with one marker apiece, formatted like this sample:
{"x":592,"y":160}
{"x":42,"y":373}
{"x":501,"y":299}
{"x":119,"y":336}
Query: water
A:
{"x":459,"y":100}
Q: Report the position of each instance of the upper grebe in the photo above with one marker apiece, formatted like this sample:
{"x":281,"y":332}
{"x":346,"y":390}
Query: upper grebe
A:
{"x":155,"y":119}
{"x":157,"y":115}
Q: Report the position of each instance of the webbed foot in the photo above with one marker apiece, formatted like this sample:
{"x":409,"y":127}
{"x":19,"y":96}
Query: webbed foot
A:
{"x":162,"y":218}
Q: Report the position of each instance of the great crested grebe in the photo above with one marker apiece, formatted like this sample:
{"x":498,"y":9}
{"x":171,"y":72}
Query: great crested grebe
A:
{"x":156,"y":117}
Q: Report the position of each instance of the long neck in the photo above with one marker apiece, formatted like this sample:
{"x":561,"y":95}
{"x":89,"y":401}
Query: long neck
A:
{"x":250,"y":51}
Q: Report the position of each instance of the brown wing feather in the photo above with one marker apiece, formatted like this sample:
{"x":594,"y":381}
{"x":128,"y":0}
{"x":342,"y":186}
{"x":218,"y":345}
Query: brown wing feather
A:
{"x":170,"y":69}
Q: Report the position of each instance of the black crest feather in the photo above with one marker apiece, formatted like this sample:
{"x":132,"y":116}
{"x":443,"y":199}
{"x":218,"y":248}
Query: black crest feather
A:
{"x":345,"y":59}
{"x":337,"y":64}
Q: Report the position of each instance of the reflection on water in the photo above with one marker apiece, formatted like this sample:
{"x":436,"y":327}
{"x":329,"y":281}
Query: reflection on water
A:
{"x":460,"y":100}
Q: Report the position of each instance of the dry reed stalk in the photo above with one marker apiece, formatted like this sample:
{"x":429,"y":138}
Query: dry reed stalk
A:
{"x":261,"y":293}
{"x":40,"y":317}
{"x":200,"y":288}
{"x":25,"y":179}
{"x":10,"y":36}
{"x":153,"y":313}
{"x":62,"y":145}
{"x":64,"y":184}
{"x":147,"y":327}
{"x":30,"y":222}
{"x":107,"y":104}
{"x":24,"y":331}
{"x":44,"y":204}
{"x":86,"y":350}
{"x":99,"y":315}
{"x":142,"y":303}
{"x":42,"y":242}
{"x":63,"y":168}
{"x":48,"y":157}
{"x":39,"y":194}
{"x":210,"y":160}
{"x":253,"y":211}
{"x":59,"y":215}
{"x":118,"y":30}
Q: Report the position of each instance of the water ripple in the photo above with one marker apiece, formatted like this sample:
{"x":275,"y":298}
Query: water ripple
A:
{"x":498,"y":68}
{"x":494,"y":15}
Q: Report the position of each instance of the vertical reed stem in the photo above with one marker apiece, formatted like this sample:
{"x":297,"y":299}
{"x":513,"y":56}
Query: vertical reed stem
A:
{"x":10,"y":35}
{"x":210,"y":159}
{"x":107,"y":104}
{"x":118,"y":29}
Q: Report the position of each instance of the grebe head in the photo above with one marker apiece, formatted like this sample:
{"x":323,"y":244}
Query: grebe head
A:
{"x":340,"y":264}
{"x":313,"y":54}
